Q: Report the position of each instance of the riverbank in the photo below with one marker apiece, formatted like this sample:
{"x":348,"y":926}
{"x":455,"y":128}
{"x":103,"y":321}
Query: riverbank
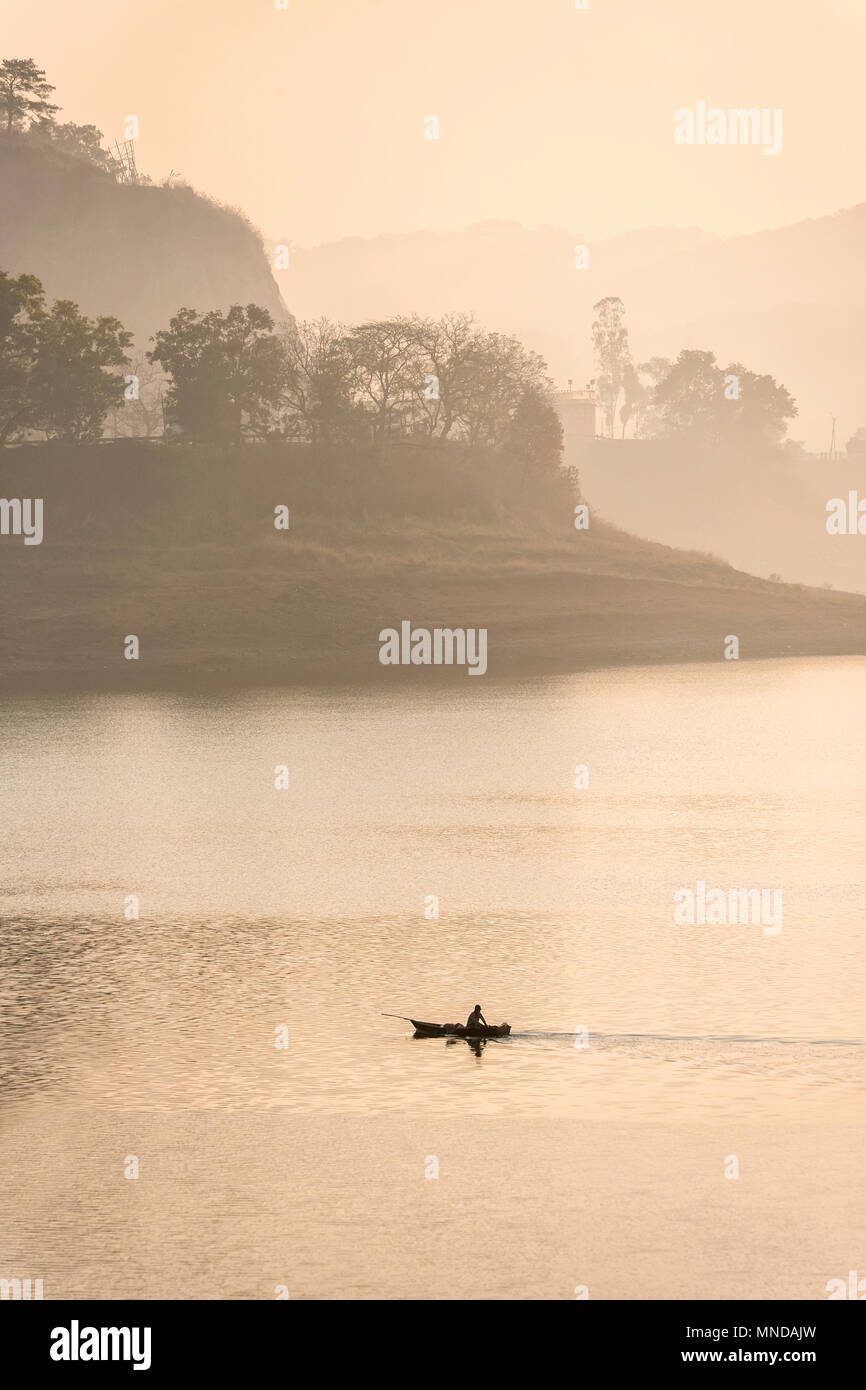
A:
{"x":182,"y":552}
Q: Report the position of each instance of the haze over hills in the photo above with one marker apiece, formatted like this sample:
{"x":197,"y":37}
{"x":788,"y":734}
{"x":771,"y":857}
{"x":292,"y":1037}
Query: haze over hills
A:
{"x":788,"y":301}
{"x":767,"y":516}
{"x":137,"y":252}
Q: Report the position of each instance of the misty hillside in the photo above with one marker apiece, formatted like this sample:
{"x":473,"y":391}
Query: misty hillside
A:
{"x":137,"y":252}
{"x":789,"y":301}
{"x":766,"y":515}
{"x":178,"y":546}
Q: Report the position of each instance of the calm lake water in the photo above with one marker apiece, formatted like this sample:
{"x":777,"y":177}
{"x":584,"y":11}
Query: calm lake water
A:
{"x":303,"y":909}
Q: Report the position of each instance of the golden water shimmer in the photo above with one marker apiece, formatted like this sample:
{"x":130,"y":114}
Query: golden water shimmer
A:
{"x":156,"y":1037}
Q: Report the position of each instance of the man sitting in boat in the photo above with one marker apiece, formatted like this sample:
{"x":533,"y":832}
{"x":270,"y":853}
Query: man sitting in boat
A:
{"x":476,"y":1020}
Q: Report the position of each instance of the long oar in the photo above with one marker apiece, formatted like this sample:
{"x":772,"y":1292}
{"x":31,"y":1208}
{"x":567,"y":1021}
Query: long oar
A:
{"x":405,"y":1017}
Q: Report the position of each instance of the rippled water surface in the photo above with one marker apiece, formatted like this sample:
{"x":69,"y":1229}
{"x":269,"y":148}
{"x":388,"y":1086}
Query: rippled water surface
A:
{"x":309,"y":910}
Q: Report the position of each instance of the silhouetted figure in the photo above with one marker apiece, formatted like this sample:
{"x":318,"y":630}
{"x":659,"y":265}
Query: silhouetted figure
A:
{"x":476,"y":1020}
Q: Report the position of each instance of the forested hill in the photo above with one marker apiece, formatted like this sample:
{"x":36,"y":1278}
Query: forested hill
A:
{"x":137,"y":252}
{"x":179,"y":547}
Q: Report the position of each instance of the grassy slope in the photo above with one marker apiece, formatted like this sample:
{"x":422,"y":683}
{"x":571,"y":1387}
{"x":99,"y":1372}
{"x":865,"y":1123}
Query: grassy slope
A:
{"x":179,"y":548}
{"x":775,"y":506}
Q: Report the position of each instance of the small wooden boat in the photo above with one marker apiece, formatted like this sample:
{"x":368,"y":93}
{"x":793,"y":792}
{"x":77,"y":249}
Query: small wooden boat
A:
{"x":457,"y":1030}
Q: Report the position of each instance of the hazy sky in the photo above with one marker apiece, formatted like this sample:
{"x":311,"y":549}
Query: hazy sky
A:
{"x":312,"y":118}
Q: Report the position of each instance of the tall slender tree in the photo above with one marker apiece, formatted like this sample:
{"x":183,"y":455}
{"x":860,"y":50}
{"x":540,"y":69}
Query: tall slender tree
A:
{"x":612,"y":355}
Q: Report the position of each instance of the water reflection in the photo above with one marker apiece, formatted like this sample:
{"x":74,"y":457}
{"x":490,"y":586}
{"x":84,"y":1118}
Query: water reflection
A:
{"x":306,"y":909}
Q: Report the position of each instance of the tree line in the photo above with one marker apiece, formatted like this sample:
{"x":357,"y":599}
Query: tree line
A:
{"x":234,"y":374}
{"x":223,"y":377}
{"x":691,"y":396}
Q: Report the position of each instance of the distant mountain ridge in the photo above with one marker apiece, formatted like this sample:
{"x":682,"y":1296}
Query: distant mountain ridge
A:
{"x":138,"y":252}
{"x":788,"y":301}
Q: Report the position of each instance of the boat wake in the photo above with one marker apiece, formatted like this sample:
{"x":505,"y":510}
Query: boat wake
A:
{"x":625,"y":1040}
